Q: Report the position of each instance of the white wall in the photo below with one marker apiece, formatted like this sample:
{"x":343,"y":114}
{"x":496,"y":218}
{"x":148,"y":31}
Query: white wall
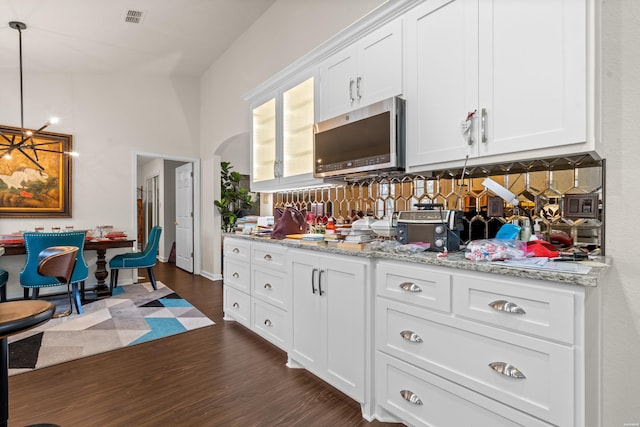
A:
{"x":620,"y":132}
{"x":110,"y":117}
{"x":286,"y":31}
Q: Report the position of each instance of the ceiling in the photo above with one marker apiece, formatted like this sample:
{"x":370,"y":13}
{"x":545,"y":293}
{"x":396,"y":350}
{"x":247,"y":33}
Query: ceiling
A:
{"x":175,"y":37}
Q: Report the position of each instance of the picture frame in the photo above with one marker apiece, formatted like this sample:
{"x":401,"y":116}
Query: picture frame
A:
{"x":35,"y":182}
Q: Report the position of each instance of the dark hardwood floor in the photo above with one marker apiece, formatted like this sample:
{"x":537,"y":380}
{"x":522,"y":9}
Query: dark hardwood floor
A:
{"x":221,"y":375}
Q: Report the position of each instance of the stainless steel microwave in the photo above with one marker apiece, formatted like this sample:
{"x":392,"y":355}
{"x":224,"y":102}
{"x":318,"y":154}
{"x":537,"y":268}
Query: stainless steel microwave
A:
{"x":369,"y":139}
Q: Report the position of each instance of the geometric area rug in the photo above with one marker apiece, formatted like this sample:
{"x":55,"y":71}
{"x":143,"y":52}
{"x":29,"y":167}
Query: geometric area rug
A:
{"x":132,"y":315}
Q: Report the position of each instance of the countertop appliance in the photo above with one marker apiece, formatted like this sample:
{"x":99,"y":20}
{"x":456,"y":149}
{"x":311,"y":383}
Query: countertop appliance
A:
{"x":369,"y":139}
{"x":433,"y":224}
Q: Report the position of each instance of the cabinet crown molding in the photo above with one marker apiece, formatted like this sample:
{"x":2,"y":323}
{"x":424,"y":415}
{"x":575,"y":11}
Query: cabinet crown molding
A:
{"x":360,"y":28}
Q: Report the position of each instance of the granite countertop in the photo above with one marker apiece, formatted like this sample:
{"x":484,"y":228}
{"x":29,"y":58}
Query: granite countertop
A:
{"x":456,"y":260}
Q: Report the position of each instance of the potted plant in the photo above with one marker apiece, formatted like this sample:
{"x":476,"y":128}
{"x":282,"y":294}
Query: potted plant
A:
{"x":234,"y":198}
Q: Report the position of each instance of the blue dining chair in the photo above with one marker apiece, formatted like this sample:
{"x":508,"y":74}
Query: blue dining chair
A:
{"x":4,"y":278}
{"x":145,"y":259}
{"x":34,"y":244}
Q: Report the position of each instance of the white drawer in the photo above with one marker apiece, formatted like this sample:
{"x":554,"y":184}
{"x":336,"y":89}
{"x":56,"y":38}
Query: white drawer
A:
{"x":544,"y":311}
{"x":237,"y":249}
{"x":462,"y":351}
{"x":237,"y":306}
{"x":421,"y":286}
{"x":269,"y":255}
{"x":271,"y":323}
{"x":271,"y":286}
{"x":441,"y":402}
{"x":237,"y":274}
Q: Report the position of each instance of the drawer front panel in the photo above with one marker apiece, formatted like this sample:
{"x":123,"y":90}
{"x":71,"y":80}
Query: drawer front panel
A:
{"x":421,"y":398}
{"x":271,"y":323}
{"x":271,"y":287}
{"x":237,"y":274}
{"x":237,"y":305}
{"x":414,"y":285}
{"x":464,"y":354}
{"x":269,"y":256}
{"x":237,"y":249}
{"x":548,"y":313}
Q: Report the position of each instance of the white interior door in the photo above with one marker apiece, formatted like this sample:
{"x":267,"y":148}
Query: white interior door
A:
{"x":184,"y":217}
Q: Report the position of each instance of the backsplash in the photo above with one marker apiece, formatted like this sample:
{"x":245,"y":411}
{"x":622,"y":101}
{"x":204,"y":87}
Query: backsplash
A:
{"x":542,"y":195}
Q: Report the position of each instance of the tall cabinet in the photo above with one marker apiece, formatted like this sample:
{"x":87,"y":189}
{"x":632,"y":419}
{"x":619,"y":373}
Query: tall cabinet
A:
{"x":517,"y":69}
{"x":282,"y":136}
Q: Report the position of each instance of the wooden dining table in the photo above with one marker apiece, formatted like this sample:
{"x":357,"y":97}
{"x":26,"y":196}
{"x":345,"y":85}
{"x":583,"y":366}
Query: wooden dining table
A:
{"x":100,"y":246}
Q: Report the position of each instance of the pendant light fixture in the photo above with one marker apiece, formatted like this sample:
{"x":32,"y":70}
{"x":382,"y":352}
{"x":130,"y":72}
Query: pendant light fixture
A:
{"x":28,"y":142}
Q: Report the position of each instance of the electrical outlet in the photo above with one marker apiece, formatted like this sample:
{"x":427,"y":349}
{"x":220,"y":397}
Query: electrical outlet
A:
{"x":580,"y":206}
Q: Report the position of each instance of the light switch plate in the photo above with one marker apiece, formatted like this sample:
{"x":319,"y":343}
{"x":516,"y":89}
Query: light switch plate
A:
{"x":578,"y":206}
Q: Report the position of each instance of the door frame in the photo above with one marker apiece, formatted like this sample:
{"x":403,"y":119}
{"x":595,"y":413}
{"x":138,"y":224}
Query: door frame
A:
{"x":197,"y":260}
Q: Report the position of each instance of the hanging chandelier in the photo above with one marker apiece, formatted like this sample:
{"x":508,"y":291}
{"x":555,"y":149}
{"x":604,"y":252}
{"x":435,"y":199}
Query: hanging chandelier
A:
{"x":26,"y":141}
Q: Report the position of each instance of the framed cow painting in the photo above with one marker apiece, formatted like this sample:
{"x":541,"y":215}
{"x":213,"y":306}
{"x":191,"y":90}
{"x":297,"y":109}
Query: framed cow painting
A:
{"x":35,"y":174}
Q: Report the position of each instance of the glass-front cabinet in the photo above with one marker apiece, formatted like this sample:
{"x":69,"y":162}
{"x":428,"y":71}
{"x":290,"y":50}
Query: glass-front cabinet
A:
{"x":282,"y":138}
{"x":264,"y":141}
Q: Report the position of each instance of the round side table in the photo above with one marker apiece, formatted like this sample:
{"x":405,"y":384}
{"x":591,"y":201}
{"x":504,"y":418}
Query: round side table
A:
{"x":16,"y":317}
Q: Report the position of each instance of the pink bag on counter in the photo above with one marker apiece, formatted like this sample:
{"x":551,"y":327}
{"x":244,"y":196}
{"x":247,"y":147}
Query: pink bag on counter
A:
{"x":288,"y":221}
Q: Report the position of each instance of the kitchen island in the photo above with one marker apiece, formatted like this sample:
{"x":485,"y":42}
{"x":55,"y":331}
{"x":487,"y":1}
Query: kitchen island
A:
{"x":423,"y":339}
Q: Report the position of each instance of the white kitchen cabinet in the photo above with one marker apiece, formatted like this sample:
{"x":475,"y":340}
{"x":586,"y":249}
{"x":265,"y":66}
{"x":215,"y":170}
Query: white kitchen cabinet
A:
{"x":257,"y":293}
{"x":368,"y":71}
{"x":329,"y":319}
{"x":510,"y":350}
{"x":237,"y":281}
{"x":521,"y":66}
{"x":282,"y":137}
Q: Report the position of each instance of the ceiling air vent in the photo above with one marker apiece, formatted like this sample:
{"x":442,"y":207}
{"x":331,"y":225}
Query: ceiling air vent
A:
{"x":133,"y":16}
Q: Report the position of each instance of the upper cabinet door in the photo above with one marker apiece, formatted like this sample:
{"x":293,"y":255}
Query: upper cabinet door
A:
{"x":532,"y":69}
{"x":516,"y":68}
{"x":442,"y":80}
{"x":338,"y":85}
{"x":368,"y":71}
{"x":297,"y":129}
{"x":380,"y":64}
{"x":263,"y":141}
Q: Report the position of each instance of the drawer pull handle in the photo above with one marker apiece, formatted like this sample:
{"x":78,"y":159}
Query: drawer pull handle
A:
{"x":507,"y":369}
{"x":410,"y":287}
{"x":268,"y":286}
{"x":507,"y":307}
{"x":267,"y":257}
{"x":411,"y":336}
{"x":235,"y":275}
{"x":236,"y":305}
{"x":268,"y":323}
{"x":410,"y":397}
{"x":236,"y":250}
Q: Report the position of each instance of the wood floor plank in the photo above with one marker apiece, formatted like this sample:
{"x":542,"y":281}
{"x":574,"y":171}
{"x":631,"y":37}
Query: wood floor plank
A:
{"x":221,"y":375}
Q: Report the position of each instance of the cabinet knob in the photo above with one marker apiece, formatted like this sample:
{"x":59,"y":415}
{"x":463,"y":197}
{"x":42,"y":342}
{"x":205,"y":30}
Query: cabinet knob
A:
{"x":236,"y":305}
{"x":410,"y":397}
{"x":507,"y":369}
{"x":235,"y":275}
{"x":411,"y":336}
{"x":268,"y":286}
{"x":267,"y":257}
{"x":235,"y":250}
{"x":507,"y":307}
{"x":410,"y":287}
{"x":268,"y":322}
